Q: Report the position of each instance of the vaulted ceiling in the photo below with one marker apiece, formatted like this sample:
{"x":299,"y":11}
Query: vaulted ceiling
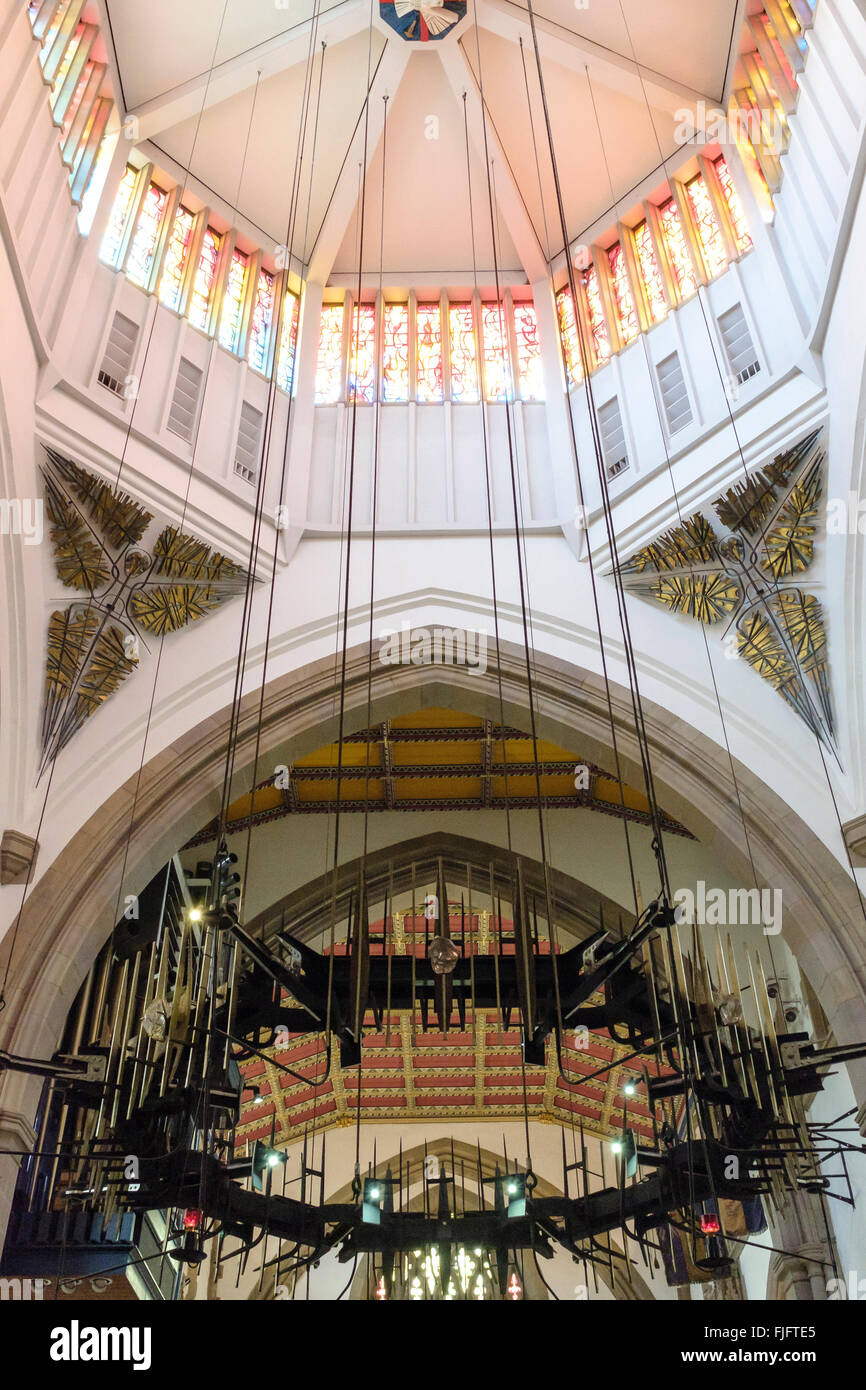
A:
{"x":220,"y":89}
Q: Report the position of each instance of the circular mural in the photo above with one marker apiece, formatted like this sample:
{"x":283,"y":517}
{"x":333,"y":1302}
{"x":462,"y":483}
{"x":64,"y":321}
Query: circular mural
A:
{"x":420,"y":23}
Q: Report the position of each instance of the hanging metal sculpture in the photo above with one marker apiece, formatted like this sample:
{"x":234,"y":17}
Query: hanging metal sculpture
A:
{"x":126,"y":588}
{"x":143,"y":1106}
{"x":742,"y":578}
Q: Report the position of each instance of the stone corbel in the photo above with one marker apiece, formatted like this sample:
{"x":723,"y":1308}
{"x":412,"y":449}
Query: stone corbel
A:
{"x":17,"y":853}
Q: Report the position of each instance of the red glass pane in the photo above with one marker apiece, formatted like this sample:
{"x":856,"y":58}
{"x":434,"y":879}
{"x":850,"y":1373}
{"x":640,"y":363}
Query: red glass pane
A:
{"x":495,"y":346}
{"x":709,"y":232}
{"x":428,"y":362}
{"x":395,"y":353}
{"x":202,"y":290}
{"x":735,"y":207}
{"x":464,"y":367}
{"x":625,"y":307}
{"x":289,"y":340}
{"x":595,"y":314}
{"x":329,"y":367}
{"x":569,"y":336}
{"x":141,"y":252}
{"x":678,"y":253}
{"x":650,"y":274}
{"x":530,"y":375}
{"x":175,"y":258}
{"x":362,"y":355}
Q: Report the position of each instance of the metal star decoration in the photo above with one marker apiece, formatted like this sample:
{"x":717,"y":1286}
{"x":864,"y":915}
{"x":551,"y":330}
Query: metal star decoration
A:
{"x":741,"y":577}
{"x":127,"y":589}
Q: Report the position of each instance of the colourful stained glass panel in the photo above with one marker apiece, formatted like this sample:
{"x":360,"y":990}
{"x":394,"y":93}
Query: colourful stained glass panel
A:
{"x":66,"y":64}
{"x":329,"y":367}
{"x":651,"y":276}
{"x":707,"y":226}
{"x":205,"y":276}
{"x":464,"y":363}
{"x":362,"y":355}
{"x":395,"y":353}
{"x":233,"y":302}
{"x":530,"y":377}
{"x":75,"y":100}
{"x":497,"y":373}
{"x":595,"y":313}
{"x":625,"y":306}
{"x":428,"y":361}
{"x":735,"y":207}
{"x":260,"y":322}
{"x":110,"y":247}
{"x":569,"y":336}
{"x":289,"y":342}
{"x":176,"y":255}
{"x":143,"y":248}
{"x":675,"y":245}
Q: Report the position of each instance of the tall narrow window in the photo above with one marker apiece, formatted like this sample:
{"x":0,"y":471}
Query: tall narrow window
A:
{"x":395,"y":353}
{"x":205,"y":276}
{"x":66,"y":64}
{"x":678,"y":252}
{"x":569,"y":336}
{"x":75,"y":100}
{"x":176,"y":256}
{"x":362,"y":355}
{"x":707,"y":226}
{"x":651,"y":276}
{"x":497,"y":374}
{"x":232,"y":314}
{"x":260,"y":322}
{"x":597,"y":325}
{"x":53,"y":29}
{"x":143,"y":248}
{"x":429,"y":353}
{"x":530,"y":376}
{"x":464,"y":363}
{"x":120,"y":209}
{"x":625,"y":307}
{"x":743,"y":241}
{"x":329,"y":367}
{"x":289,"y":342}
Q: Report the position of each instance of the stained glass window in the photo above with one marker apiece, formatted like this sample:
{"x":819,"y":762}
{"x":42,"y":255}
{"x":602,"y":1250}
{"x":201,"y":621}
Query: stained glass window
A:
{"x":205,"y":275}
{"x":176,"y":253}
{"x":362,"y":355}
{"x":66,"y":64}
{"x":625,"y":306}
{"x":530,"y":376}
{"x":497,"y":373}
{"x":428,"y":370}
{"x":597,"y":325}
{"x":329,"y":367}
{"x":651,"y":276}
{"x":260,"y":322}
{"x":707,"y":226}
{"x":395,"y":353}
{"x":110,"y":248}
{"x":773,"y":40}
{"x":75,"y":100}
{"x":464,"y":363}
{"x":141,"y":252}
{"x":569,"y":336}
{"x":289,"y":342}
{"x":52,"y":30}
{"x":233,"y":302}
{"x":678,"y":252}
{"x":735,"y":207}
